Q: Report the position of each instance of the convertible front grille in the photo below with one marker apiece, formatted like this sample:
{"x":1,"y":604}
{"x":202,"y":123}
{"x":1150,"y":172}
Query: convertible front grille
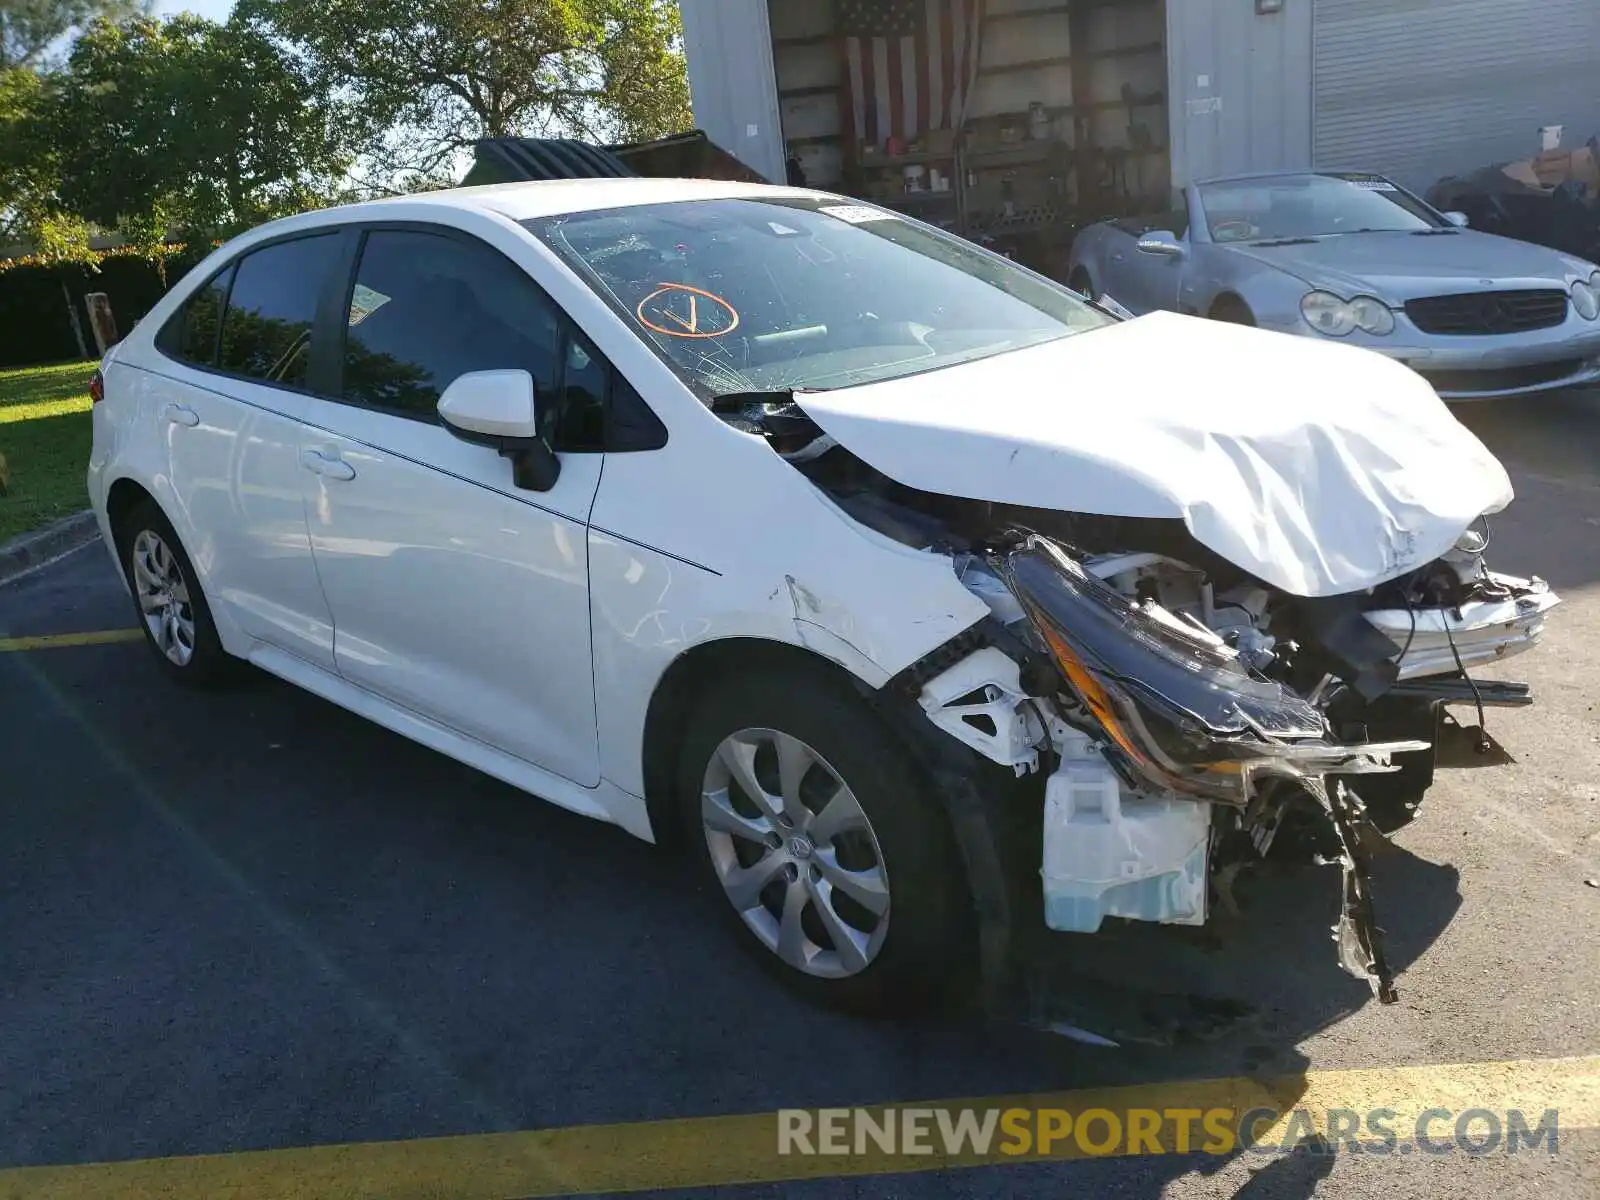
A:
{"x":1489,"y":312}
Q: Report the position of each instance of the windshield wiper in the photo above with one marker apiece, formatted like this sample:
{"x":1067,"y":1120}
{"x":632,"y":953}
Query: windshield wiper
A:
{"x":1290,"y":241}
{"x":1435,"y":232}
{"x":733,"y":402}
{"x":775,"y":416}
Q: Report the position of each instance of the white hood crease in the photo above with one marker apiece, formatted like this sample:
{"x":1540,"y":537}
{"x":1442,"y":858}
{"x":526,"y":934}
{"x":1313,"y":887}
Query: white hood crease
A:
{"x":1320,"y":468}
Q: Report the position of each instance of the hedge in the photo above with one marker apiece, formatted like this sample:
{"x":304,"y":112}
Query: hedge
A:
{"x":34,"y":325}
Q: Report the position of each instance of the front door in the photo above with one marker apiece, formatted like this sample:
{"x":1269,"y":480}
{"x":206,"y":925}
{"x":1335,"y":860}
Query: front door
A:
{"x":1142,"y":282}
{"x":454,"y":593}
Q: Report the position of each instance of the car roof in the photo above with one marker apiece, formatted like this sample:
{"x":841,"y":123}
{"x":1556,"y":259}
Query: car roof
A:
{"x":559,"y":197}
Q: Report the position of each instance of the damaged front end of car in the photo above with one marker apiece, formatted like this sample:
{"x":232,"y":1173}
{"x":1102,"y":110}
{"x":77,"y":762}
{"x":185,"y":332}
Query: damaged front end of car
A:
{"x":1166,"y":740}
{"x":1161,"y":714}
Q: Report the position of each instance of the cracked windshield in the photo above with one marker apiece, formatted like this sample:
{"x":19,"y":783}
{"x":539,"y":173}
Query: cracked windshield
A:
{"x":786,"y":295}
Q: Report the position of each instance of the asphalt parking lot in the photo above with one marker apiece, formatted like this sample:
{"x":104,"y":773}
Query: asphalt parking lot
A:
{"x":253,"y":922}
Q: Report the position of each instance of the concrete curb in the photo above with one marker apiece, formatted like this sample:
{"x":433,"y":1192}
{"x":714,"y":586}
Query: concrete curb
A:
{"x":30,"y":550}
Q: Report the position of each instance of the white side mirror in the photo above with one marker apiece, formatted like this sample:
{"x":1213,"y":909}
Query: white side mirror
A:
{"x":499,"y":409}
{"x":491,"y":406}
{"x":1458,"y":219}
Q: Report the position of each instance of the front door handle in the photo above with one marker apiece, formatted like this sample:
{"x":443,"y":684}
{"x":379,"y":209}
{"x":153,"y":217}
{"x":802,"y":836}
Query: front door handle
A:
{"x":330,"y":466}
{"x":181,"y":414}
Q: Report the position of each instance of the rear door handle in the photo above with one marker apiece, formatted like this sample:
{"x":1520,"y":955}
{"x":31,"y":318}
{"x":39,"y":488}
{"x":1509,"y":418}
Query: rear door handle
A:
{"x":180,"y":414}
{"x":330,"y":466}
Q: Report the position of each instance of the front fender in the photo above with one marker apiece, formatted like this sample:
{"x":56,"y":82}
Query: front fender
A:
{"x":677,"y":561}
{"x":1272,"y":295}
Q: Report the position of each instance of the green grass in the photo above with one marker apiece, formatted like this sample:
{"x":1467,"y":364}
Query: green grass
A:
{"x":44,"y":439}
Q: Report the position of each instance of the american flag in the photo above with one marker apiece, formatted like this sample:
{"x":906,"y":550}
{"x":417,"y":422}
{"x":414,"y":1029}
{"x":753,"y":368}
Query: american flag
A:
{"x":909,"y":64}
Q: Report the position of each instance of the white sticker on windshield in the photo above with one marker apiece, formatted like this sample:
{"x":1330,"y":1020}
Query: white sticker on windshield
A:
{"x":857,"y":214}
{"x":364,"y":302}
{"x":1375,"y":185}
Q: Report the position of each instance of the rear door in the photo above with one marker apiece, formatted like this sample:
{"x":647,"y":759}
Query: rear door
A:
{"x":234,"y":388}
{"x":454,"y":593}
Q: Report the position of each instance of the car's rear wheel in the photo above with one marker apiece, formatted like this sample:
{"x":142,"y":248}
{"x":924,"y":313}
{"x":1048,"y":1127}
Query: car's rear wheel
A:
{"x":834,"y":861}
{"x":171,"y":607}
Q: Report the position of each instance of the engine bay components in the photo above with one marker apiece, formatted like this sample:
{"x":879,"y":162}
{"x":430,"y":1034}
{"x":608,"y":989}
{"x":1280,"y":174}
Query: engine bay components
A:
{"x":980,"y":701}
{"x":1113,"y":851}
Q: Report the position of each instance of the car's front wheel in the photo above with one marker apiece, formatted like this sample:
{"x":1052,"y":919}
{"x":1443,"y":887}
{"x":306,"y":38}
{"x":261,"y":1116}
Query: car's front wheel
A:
{"x":832,"y":858}
{"x":171,"y":608}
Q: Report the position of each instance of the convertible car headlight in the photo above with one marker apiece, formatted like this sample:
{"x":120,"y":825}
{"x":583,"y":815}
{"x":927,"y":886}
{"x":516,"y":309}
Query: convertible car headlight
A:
{"x":1586,"y":299}
{"x":1182,"y":709}
{"x":1372,"y":315}
{"x":1336,"y":316}
{"x":1327,"y":313}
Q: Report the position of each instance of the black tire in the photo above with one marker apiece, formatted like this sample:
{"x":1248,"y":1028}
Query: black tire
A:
{"x":1082,"y":284}
{"x":928,"y":944}
{"x":1232,"y":310}
{"x":207,"y":663}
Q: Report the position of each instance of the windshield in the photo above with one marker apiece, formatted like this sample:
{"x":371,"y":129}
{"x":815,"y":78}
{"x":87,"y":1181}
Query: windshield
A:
{"x":755,"y":295}
{"x":1302,"y":206}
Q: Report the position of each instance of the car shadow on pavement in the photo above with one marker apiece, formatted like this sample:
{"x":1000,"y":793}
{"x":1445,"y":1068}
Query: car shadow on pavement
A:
{"x":330,"y":934}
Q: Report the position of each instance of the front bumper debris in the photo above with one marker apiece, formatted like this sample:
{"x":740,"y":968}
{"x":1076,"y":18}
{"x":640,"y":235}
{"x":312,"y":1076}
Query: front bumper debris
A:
{"x":1479,"y":631}
{"x":1356,"y":933}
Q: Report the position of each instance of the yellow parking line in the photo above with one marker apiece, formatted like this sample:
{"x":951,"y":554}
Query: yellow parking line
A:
{"x":704,"y":1152}
{"x":52,"y":641}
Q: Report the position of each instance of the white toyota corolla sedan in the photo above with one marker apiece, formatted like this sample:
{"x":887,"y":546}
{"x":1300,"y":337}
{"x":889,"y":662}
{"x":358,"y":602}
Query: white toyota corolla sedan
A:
{"x":932,"y":606}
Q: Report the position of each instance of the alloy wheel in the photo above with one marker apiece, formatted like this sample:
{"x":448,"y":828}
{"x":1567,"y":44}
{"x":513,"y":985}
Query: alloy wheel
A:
{"x":795,"y":853}
{"x":163,"y":596}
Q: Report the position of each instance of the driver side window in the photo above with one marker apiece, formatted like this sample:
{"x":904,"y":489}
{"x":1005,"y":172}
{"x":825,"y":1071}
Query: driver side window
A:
{"x":427,"y":308}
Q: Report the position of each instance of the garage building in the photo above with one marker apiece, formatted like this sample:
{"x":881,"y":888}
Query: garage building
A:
{"x":1016,"y":116}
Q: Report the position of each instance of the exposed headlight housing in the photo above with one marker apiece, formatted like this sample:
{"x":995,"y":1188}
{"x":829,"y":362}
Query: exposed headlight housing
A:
{"x":1336,"y":317}
{"x":1586,"y":297}
{"x":1178,"y":707}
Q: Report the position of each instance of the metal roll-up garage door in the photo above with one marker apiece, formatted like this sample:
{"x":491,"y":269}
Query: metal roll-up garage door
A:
{"x":1418,"y":89}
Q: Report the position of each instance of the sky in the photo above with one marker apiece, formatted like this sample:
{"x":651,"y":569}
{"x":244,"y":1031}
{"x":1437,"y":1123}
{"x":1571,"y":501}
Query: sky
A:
{"x":217,"y":10}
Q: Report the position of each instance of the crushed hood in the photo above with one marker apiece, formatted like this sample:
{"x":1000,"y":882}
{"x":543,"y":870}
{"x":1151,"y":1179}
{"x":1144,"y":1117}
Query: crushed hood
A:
{"x":1318,"y":467}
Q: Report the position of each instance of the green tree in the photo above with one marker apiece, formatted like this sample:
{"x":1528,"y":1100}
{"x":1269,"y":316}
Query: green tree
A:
{"x":188,"y":124}
{"x":437,"y":75}
{"x":31,"y":30}
{"x":30,"y":208}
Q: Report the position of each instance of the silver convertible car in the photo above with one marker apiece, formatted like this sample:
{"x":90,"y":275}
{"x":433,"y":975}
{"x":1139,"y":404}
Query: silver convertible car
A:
{"x":1358,"y":258}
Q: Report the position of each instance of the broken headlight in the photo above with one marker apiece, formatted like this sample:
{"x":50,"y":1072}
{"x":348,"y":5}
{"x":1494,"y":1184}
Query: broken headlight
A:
{"x":1176,"y":702}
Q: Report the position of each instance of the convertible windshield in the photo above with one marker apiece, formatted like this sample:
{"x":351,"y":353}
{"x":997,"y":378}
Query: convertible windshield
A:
{"x":1299,"y":206}
{"x":745,"y":295}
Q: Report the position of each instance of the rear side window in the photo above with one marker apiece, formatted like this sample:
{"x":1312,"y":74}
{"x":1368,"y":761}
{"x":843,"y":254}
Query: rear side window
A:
{"x":190,"y":334}
{"x":266,"y":333}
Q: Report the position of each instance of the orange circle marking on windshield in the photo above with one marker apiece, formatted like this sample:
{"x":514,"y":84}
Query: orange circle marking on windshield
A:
{"x":690,"y":322}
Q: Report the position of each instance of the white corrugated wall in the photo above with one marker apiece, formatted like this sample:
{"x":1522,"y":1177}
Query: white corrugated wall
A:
{"x":731,"y":82}
{"x":1419,"y":89}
